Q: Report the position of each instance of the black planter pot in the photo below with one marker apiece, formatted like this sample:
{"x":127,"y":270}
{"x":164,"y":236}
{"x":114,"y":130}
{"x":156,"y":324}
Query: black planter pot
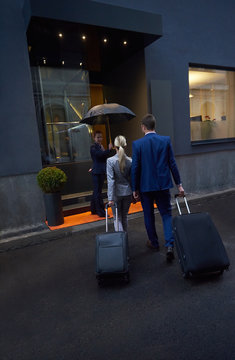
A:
{"x":54,"y":211}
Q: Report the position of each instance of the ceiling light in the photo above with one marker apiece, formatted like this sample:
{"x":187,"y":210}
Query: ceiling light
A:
{"x":60,"y":35}
{"x":62,"y":62}
{"x":105,"y":40}
{"x":83,"y":37}
{"x":44,"y":60}
{"x":124,"y":42}
{"x":80,"y":64}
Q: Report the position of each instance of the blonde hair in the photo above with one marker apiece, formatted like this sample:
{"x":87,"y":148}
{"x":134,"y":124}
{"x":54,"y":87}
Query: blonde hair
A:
{"x":120,"y":143}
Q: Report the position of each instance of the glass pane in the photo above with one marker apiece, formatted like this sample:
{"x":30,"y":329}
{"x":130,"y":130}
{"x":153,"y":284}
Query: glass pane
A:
{"x":212,"y":104}
{"x":62,"y":98}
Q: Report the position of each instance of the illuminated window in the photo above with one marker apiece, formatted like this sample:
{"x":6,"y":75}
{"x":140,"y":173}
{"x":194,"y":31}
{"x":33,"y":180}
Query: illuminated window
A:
{"x":212,"y":104}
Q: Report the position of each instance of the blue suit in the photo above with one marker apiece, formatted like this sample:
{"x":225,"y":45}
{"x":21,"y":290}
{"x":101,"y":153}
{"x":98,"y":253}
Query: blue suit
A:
{"x":153,"y":163}
{"x":99,"y":157}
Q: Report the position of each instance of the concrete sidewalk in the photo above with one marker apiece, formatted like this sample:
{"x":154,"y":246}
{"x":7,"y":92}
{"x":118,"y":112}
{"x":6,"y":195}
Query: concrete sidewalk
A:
{"x":45,"y":235}
{"x":52,"y":308}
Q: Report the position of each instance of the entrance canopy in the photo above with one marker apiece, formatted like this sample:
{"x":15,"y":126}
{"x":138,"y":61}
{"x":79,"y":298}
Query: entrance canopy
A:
{"x":94,"y":13}
{"x":101,"y":35}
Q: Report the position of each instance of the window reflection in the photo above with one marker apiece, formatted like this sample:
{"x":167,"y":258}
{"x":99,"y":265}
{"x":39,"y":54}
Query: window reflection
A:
{"x":62,"y":97}
{"x":212,"y":104}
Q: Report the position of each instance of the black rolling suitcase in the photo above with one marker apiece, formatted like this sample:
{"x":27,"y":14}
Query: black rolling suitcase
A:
{"x":198,"y":243}
{"x":112,"y":255}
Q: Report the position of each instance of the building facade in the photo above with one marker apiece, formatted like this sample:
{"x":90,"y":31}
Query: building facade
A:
{"x":59,"y":58}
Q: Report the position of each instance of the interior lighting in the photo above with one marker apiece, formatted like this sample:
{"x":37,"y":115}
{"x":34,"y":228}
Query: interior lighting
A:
{"x":125,"y":42}
{"x":105,"y":40}
{"x":191,"y":95}
{"x":44,"y":61}
{"x":62,"y":62}
{"x":80,"y":64}
{"x":60,"y":35}
{"x":83,"y":37}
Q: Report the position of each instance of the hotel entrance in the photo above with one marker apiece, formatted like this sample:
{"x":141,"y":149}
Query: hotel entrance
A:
{"x":75,"y":67}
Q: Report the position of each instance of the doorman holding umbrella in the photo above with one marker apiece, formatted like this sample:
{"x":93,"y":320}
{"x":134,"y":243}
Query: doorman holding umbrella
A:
{"x":99,"y":156}
{"x":103,"y":113}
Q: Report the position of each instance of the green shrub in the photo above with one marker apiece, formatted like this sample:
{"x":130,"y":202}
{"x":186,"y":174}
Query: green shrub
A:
{"x":51,"y":179}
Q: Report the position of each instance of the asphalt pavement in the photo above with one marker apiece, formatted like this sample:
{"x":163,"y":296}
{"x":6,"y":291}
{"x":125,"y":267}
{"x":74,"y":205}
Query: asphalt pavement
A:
{"x":52,"y":308}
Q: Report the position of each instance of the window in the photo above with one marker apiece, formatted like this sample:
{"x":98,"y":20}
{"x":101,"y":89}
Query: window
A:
{"x":62,"y":98}
{"x":212,"y":104}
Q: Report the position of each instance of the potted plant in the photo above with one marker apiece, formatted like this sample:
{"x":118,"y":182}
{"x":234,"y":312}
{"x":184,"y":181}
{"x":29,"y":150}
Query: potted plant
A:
{"x":51,"y":180}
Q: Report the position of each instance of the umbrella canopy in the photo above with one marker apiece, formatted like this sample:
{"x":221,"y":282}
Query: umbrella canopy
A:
{"x":112,"y":112}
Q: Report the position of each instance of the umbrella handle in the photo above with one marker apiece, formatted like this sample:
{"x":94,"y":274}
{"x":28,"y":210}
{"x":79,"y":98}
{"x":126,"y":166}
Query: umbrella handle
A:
{"x":110,"y":141}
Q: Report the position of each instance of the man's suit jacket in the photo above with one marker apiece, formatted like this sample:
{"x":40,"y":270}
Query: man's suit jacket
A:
{"x":119,"y":184}
{"x":153,"y":163}
{"x":99,"y":157}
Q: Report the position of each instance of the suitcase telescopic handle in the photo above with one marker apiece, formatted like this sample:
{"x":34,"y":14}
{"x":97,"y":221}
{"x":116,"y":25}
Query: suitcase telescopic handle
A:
{"x":178,"y":205}
{"x":106,"y":216}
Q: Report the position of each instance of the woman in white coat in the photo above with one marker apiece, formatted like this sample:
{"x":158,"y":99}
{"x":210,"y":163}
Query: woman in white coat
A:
{"x":119,"y":183}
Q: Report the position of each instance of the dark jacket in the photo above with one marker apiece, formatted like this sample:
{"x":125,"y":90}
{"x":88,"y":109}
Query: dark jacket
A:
{"x":153,"y":163}
{"x":99,"y":157}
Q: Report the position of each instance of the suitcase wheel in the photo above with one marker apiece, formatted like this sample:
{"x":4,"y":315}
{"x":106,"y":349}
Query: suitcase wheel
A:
{"x":100,"y":281}
{"x":126,"y":278}
{"x":187,"y":275}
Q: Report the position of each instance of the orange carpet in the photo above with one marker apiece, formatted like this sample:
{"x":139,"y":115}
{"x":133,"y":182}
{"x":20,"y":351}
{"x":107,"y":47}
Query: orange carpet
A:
{"x":86,"y":217}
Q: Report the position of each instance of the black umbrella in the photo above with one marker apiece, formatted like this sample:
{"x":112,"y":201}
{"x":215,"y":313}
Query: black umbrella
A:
{"x":109,"y":112}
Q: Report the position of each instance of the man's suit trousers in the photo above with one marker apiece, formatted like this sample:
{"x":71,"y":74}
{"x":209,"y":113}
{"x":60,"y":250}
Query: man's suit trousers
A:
{"x":163,"y":201}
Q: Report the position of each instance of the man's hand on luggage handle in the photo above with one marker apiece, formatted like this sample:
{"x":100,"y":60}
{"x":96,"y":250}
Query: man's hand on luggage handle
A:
{"x":181,"y":190}
{"x":136,"y":195}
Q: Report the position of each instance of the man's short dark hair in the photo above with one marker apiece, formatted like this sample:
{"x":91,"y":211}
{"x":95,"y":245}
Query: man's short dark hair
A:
{"x":149,"y":121}
{"x":97,"y":132}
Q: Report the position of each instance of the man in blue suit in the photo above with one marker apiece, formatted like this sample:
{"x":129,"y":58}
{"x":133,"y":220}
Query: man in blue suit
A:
{"x":99,"y":156}
{"x":153,"y":163}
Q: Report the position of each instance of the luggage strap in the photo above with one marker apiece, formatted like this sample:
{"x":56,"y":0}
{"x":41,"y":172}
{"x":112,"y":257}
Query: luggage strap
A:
{"x":106,"y":216}
{"x":178,"y":205}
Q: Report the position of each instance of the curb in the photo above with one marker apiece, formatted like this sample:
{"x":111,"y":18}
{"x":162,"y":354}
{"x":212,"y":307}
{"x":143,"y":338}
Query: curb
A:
{"x":46,"y":235}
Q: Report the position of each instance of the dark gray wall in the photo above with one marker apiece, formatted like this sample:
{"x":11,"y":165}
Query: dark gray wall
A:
{"x":21,"y":206}
{"x":200,"y":32}
{"x":19,"y":144}
{"x":162,"y":106}
{"x":208,"y":172}
{"x":21,"y":200}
